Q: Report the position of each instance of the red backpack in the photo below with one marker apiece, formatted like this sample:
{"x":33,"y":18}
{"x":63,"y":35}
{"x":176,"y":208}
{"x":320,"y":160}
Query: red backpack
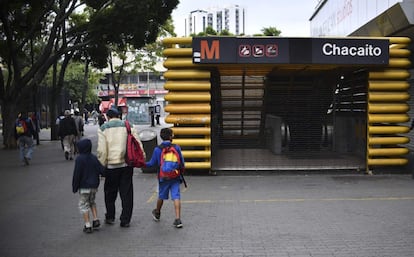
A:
{"x":170,"y":166}
{"x":21,"y":127}
{"x":134,"y":156}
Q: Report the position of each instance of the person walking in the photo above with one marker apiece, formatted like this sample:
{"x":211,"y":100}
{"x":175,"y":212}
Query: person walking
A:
{"x":57,"y":122}
{"x":86,"y":180}
{"x":112,"y":142}
{"x":68,"y":132}
{"x":23,"y":133}
{"x":168,"y":185}
{"x":79,"y":128}
{"x":101,"y":119}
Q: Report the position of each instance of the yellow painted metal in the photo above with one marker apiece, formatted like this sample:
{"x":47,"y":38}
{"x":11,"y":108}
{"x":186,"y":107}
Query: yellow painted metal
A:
{"x":395,"y":151}
{"x":206,"y":165}
{"x":398,"y":46}
{"x":388,"y":140}
{"x":191,"y":130}
{"x":388,"y":108}
{"x":179,"y":63}
{"x":399,"y":40}
{"x":182,"y":85}
{"x":397,"y":52}
{"x":178,"y":52}
{"x":192,"y":141}
{"x":387,"y":105}
{"x":389,"y":74}
{"x":388,"y":129}
{"x":188,"y":119}
{"x":388,"y":96}
{"x":177,"y":40}
{"x":188,"y":108}
{"x":397,"y":85}
{"x":196,"y":154}
{"x":188,"y":102}
{"x":399,"y":63}
{"x":188,"y":96}
{"x":388,"y":118}
{"x":387,"y":161}
{"x":187,"y":74}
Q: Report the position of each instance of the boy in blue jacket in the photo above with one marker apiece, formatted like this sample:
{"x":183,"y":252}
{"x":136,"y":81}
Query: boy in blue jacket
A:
{"x":166,"y":186}
{"x":86,"y":181}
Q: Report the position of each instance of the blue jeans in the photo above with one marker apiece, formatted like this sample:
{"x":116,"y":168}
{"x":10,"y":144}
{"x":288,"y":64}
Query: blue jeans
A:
{"x":25,"y":147}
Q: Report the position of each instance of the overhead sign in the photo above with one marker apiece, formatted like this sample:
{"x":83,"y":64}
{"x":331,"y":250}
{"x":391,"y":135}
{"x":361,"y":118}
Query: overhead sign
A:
{"x":268,"y":50}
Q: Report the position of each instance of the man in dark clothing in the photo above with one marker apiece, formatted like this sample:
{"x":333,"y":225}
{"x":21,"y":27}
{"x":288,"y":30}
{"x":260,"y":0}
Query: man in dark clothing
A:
{"x":111,"y":150}
{"x":68,"y":132}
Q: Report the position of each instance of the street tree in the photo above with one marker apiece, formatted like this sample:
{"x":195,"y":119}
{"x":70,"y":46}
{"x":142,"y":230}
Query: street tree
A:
{"x":37,"y":34}
{"x":269,"y":32}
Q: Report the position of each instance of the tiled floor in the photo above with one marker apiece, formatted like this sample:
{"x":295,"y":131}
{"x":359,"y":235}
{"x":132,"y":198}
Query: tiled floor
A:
{"x":263,"y":159}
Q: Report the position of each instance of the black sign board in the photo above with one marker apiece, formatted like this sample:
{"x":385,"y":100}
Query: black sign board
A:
{"x":277,"y":50}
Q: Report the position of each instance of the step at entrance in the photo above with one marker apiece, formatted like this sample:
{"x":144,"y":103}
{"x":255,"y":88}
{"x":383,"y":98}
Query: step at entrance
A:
{"x":241,"y":116}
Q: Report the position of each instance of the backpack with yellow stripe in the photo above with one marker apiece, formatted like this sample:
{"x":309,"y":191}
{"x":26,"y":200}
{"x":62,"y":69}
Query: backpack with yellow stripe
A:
{"x":170,"y":166}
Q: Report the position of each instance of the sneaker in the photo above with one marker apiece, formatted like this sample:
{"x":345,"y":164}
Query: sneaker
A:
{"x":87,"y":229}
{"x":66,"y":155}
{"x":177,"y":223}
{"x":124,"y":225}
{"x":156,"y":215}
{"x":96,"y":224}
{"x":26,"y":160}
{"x":109,"y":221}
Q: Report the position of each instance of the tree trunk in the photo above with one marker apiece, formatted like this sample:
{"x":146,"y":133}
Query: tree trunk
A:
{"x":9,"y":114}
{"x":85,"y":86}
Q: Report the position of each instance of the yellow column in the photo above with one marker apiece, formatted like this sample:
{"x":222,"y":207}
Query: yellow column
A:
{"x":387,"y":108}
{"x":188,"y":103}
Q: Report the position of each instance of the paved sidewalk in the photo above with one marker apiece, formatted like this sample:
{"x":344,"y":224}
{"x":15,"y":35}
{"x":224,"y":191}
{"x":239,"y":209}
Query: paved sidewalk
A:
{"x":335,"y":215}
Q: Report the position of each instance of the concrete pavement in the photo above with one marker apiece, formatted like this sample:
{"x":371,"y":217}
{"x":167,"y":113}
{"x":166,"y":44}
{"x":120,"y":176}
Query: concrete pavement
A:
{"x":290,"y":215}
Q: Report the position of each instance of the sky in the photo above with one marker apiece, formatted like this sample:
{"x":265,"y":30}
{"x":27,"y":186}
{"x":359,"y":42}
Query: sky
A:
{"x":291,"y":16}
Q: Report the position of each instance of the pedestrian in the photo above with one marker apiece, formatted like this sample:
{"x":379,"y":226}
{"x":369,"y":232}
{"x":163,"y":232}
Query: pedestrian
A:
{"x":86,"y":115}
{"x":167,"y":186}
{"x":157,"y":118}
{"x":101,"y":119}
{"x":86,"y":176}
{"x":79,"y":128}
{"x":112,"y":142}
{"x":68,"y":132}
{"x":57,"y":122}
{"x":24,"y":132}
{"x":94,"y":115}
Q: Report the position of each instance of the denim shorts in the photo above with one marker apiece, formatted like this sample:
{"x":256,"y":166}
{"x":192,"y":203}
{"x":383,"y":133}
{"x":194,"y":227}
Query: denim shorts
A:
{"x":87,"y":199}
{"x":167,"y":186}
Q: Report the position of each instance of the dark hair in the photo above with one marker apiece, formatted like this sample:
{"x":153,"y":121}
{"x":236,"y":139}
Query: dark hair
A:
{"x":166,"y":134}
{"x":111,"y":113}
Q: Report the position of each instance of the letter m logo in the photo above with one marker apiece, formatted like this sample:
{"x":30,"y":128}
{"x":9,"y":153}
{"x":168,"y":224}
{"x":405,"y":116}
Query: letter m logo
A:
{"x":210,"y":52}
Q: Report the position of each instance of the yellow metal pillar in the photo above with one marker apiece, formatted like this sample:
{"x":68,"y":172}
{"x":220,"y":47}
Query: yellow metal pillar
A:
{"x":387,"y":108}
{"x":188,"y":103}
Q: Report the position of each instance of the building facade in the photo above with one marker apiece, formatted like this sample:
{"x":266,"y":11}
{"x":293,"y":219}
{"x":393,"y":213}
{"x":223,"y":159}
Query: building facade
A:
{"x":372,"y":18}
{"x":230,"y":18}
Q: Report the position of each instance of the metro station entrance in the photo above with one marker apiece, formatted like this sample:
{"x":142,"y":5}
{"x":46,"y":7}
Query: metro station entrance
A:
{"x":290,"y":120}
{"x":288,"y":104}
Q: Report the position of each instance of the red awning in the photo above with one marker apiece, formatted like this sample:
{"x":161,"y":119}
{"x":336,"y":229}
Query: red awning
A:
{"x":106,"y":105}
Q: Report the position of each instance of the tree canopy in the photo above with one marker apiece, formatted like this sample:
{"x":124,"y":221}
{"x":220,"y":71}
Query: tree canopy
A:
{"x":35,"y":34}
